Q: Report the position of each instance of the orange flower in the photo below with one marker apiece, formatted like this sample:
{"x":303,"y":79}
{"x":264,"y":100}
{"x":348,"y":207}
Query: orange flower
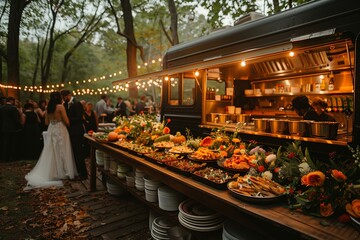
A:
{"x":166,"y":130}
{"x":338,"y":175}
{"x":356,"y":207}
{"x":316,"y":178}
{"x":326,"y":209}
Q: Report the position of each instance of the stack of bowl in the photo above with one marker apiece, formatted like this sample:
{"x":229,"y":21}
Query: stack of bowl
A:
{"x":122,"y":170}
{"x":113,"y":167}
{"x":130,"y":179}
{"x":113,"y":188}
{"x":151,"y":189}
{"x":107,"y":160}
{"x":169,"y":199}
{"x":139,"y":180}
{"x":159,"y":228}
{"x":99,"y":157}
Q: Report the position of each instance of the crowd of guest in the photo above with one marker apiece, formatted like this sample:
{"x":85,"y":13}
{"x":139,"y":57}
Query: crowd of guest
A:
{"x":22,"y":124}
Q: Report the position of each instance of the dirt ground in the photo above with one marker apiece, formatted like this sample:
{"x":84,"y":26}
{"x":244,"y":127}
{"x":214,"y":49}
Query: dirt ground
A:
{"x":36,"y":214}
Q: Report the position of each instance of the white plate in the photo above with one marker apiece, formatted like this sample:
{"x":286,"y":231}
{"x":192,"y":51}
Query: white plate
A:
{"x":201,"y":223}
{"x":202,"y":213}
{"x":200,"y":229}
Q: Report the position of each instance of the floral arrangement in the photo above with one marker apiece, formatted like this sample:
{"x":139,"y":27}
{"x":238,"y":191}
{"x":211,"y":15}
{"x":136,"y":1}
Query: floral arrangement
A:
{"x":321,"y":187}
{"x":142,"y":128}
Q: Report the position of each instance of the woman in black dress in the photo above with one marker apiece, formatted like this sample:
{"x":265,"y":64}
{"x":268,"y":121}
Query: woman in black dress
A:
{"x":90,"y":123}
{"x":31,"y":133}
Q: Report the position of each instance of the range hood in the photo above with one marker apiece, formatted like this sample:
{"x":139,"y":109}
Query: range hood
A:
{"x":326,"y":58}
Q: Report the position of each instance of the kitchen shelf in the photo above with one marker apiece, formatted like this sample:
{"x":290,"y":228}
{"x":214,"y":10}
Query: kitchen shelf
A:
{"x":336,"y":92}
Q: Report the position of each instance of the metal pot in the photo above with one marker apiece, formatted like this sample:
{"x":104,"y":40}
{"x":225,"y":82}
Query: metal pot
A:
{"x":223,"y":117}
{"x":261,"y":124}
{"x":243,"y":118}
{"x":279,"y":126}
{"x":213,"y":117}
{"x":297,"y":127}
{"x":327,"y":130}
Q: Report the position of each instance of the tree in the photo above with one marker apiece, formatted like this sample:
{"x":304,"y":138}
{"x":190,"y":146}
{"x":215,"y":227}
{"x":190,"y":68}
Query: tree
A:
{"x":13,"y":71}
{"x":89,"y":27}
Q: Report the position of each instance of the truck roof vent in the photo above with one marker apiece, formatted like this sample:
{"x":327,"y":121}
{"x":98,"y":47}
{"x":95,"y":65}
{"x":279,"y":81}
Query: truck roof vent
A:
{"x":248,"y":17}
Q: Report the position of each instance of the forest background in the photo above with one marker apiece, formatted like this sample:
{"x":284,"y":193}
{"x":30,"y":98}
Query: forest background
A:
{"x":85,"y":45}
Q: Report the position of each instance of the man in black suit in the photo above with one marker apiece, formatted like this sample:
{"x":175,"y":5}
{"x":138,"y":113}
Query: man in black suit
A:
{"x":10,"y":127}
{"x":75,"y":111}
{"x":120,"y":107}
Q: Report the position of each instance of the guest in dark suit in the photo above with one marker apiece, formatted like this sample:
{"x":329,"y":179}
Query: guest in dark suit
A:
{"x":10,"y":128}
{"x":75,"y":112}
{"x":120,"y":107}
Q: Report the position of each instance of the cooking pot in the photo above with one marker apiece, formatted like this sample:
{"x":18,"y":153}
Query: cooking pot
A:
{"x":279,"y":126}
{"x":223,"y":117}
{"x":261,"y":124}
{"x":298,"y":127}
{"x":243,"y":118}
{"x":213,"y":117}
{"x":327,"y":130}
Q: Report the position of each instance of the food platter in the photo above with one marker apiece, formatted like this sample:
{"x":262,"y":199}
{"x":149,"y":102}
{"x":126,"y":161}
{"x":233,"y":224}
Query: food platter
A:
{"x":355,"y":222}
{"x":256,"y":190}
{"x":233,"y":170}
{"x":213,"y":177}
{"x":204,"y":155}
{"x":163,"y":145}
{"x":184,"y":166}
{"x":184,"y":150}
{"x":190,"y":157}
{"x":161,"y":157}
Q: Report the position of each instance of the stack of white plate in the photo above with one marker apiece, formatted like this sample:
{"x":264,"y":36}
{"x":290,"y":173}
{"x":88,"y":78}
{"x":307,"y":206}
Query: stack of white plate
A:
{"x":234,"y":231}
{"x":113,"y":167}
{"x":151,"y":189}
{"x":159,"y":228}
{"x":169,"y":199}
{"x":197,"y":217}
{"x":130,"y":179}
{"x":99,"y":157}
{"x":107,"y":160}
{"x":114,"y":189}
{"x":139,"y":180}
{"x":122,"y":170}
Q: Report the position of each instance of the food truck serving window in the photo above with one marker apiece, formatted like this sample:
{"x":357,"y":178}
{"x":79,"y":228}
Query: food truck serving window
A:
{"x":182,"y":90}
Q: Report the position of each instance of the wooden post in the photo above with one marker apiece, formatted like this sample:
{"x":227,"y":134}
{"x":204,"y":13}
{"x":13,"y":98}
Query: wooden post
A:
{"x":92,"y":169}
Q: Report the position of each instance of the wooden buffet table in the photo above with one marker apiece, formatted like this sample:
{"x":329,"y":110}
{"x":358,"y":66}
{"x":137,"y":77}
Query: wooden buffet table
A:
{"x":274,"y":220}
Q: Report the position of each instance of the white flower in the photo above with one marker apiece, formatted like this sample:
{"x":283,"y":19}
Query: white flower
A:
{"x":304,"y":168}
{"x":254,"y":161}
{"x":267,"y":175}
{"x":270,"y":158}
{"x":243,"y":151}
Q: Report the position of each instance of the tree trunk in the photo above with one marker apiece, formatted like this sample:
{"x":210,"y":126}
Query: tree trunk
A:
{"x":36,"y":66}
{"x":130,"y":45}
{"x":276,"y":6}
{"x":174,"y":22}
{"x":13,"y":66}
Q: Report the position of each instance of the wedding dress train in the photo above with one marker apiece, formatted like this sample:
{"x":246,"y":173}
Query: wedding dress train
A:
{"x":56,"y":161}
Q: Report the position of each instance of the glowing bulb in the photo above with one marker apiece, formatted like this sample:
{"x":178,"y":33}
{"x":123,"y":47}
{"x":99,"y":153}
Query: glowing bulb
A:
{"x":243,"y":63}
{"x":291,"y":54}
{"x":197,"y":73}
{"x":166,"y":78}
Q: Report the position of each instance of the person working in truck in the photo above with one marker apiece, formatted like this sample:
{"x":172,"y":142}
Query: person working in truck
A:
{"x":302,"y":107}
{"x":319,"y":106}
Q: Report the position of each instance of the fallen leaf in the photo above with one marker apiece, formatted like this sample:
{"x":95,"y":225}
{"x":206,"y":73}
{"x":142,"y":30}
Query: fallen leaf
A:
{"x":4,"y":208}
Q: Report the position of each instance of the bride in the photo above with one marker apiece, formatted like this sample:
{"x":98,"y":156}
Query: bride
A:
{"x":56,"y":161}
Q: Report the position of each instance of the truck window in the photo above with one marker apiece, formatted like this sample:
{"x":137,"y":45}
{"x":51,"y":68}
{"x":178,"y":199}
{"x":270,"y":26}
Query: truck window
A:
{"x":188,"y":93}
{"x":174,"y":90}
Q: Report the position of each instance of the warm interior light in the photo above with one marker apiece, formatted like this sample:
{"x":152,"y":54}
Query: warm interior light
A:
{"x":197,"y":73}
{"x":166,"y":78}
{"x":243,"y":63}
{"x":291,"y":54}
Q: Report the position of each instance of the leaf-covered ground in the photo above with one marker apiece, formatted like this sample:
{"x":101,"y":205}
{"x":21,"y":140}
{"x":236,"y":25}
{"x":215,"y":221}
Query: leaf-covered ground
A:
{"x":37,"y":214}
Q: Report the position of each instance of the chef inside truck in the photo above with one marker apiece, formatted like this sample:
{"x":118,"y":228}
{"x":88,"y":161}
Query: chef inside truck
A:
{"x":314,"y":112}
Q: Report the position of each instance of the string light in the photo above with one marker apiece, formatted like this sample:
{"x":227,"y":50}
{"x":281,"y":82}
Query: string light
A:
{"x":52,"y":87}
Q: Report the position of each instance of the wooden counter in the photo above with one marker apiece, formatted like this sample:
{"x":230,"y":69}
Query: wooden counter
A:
{"x":274,"y":221}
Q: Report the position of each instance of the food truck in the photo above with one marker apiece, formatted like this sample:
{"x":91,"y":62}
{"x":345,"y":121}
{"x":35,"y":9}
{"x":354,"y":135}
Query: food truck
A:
{"x":243,"y":78}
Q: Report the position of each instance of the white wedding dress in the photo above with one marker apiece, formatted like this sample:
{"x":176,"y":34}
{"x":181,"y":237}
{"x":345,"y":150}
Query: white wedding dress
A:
{"x":56,"y":161}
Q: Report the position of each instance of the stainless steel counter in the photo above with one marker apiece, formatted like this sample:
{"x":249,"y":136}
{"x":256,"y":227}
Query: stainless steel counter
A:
{"x":342,"y":140}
